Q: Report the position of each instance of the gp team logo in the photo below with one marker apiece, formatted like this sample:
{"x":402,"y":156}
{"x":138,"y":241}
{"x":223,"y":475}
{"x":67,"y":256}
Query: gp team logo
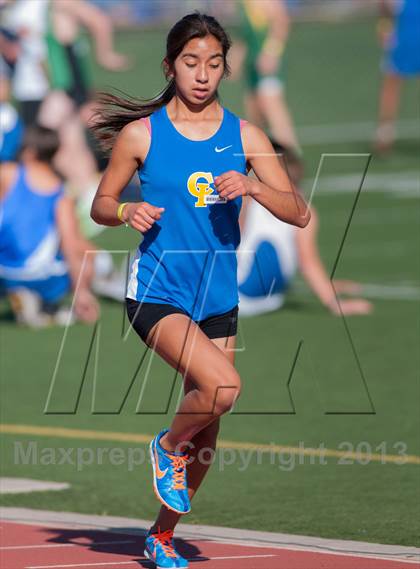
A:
{"x":199,"y":186}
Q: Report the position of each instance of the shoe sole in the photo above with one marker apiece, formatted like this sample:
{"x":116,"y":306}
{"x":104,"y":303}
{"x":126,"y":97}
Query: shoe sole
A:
{"x":155,"y":488}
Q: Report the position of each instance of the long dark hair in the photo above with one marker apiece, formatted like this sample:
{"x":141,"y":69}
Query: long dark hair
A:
{"x":115,"y":111}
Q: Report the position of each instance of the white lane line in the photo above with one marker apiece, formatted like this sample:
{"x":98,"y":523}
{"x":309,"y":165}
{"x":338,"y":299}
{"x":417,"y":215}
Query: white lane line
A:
{"x":288,"y":547}
{"x":351,"y":131}
{"x":104,"y":564}
{"x":219,"y":558}
{"x":391,"y":292}
{"x":51,"y":545}
{"x":9,"y":485}
{"x":146,"y":561}
{"x":402,"y":184}
{"x":374,"y":291}
{"x":234,"y":557}
{"x":413,"y":559}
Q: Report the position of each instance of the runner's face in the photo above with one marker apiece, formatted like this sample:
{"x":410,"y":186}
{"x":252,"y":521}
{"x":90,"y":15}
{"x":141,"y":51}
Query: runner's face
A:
{"x":199,"y":69}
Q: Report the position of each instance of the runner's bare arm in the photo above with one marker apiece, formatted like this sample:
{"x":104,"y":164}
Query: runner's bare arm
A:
{"x":130,"y":147}
{"x":128,"y":153}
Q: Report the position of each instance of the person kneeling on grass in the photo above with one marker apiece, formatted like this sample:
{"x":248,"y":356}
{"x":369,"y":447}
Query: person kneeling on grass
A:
{"x":41,"y":249}
{"x":272,"y":251}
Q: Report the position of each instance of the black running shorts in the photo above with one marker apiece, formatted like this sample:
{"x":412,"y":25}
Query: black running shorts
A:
{"x":143,"y":316}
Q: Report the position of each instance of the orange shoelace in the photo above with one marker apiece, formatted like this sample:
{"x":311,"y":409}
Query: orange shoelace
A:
{"x":179,"y":465}
{"x":165,"y":540}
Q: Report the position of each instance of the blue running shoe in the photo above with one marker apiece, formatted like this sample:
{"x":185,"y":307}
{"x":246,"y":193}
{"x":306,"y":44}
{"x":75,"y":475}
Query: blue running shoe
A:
{"x":159,"y":548}
{"x":170,"y":476}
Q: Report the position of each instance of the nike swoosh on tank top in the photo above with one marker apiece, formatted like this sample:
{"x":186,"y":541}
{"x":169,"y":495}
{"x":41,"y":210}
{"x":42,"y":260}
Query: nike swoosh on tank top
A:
{"x":188,"y":257}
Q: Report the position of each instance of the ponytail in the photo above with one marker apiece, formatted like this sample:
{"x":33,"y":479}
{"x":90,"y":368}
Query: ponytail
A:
{"x":114,"y":112}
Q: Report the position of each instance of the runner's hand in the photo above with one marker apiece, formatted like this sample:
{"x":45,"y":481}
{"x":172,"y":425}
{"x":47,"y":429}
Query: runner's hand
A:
{"x":141,"y":216}
{"x":232,"y":184}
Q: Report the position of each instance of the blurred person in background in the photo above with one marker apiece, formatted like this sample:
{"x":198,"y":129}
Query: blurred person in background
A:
{"x":264,"y":29}
{"x":50,"y":61}
{"x":69,"y":53}
{"x":399,"y":34}
{"x":68,"y":107}
{"x":272,"y":251}
{"x":11,"y":125}
{"x":26,"y":20}
{"x":41,"y":248}
{"x":9,"y":44}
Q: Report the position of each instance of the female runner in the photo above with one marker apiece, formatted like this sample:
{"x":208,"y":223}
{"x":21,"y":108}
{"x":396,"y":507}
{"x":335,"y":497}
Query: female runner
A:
{"x":192,"y":155}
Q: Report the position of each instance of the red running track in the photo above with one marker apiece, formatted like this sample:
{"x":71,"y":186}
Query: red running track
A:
{"x":25,"y":546}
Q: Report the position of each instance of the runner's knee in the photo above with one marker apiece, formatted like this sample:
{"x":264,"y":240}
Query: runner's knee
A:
{"x":226,"y":392}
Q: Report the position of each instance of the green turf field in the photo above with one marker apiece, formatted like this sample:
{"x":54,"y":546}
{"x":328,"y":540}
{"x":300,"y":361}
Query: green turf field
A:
{"x":324,"y":396}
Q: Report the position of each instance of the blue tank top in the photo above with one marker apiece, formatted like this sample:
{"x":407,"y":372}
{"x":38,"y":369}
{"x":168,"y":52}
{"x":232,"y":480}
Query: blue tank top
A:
{"x":188,"y":257}
{"x":29,"y":241}
{"x":11,"y":132}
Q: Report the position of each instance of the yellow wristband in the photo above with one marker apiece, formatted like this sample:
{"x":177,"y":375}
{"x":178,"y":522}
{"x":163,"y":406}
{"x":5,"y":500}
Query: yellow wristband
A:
{"x":120,"y":211}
